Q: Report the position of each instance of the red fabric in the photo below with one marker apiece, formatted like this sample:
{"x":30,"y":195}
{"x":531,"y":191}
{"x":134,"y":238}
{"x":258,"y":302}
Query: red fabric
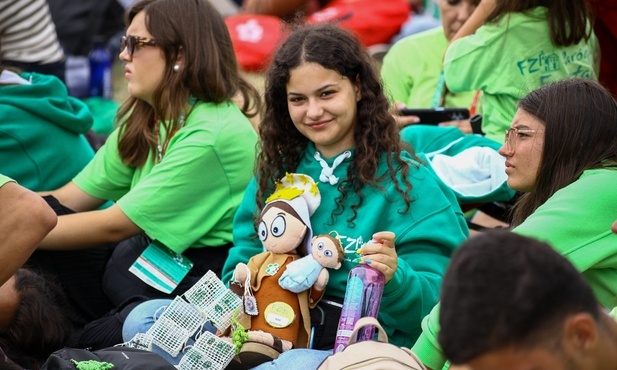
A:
{"x":255,"y":38}
{"x":373,"y":21}
{"x":606,"y":31}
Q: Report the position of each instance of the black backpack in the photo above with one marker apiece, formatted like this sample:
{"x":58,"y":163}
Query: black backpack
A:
{"x":122,"y":358}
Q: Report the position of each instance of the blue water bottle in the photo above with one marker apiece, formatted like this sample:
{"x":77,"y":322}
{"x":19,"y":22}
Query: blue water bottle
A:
{"x":100,"y":69}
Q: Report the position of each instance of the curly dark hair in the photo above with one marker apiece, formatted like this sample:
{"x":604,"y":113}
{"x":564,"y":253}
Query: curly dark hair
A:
{"x":375,"y":133}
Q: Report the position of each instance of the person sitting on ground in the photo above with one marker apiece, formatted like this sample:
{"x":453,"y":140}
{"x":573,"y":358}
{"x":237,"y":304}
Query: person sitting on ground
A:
{"x":327,"y":117}
{"x":326,"y":110}
{"x":25,"y":222}
{"x":491,"y":52}
{"x":512,"y":302}
{"x":412,"y":70}
{"x":176,"y":167}
{"x":561,"y":151}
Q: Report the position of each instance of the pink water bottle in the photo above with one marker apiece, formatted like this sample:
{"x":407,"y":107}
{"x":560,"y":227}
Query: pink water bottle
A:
{"x":362,"y":298}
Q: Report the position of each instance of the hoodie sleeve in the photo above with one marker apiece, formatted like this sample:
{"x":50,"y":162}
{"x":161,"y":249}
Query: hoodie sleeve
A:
{"x":436,"y":227}
{"x":427,"y":348}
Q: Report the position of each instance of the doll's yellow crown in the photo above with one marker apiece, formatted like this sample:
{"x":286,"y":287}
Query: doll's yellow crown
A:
{"x":294,"y":185}
{"x":284,"y":194}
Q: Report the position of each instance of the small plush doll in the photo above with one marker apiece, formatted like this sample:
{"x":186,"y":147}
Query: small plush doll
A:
{"x":281,"y":319}
{"x":310,"y":271}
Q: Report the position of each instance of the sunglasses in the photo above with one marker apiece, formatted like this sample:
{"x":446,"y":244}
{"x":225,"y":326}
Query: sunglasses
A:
{"x":131,"y":42}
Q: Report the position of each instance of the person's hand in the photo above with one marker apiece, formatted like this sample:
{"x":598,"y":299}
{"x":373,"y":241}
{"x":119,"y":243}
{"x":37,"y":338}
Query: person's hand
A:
{"x":614,"y":227}
{"x":322,"y":280}
{"x":380,"y":253}
{"x":241,"y":272}
{"x":402,"y":121}
{"x":476,"y":20}
{"x":463,"y":125}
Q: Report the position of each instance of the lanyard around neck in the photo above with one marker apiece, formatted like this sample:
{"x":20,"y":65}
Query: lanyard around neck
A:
{"x":440,"y":94}
{"x":440,"y":91}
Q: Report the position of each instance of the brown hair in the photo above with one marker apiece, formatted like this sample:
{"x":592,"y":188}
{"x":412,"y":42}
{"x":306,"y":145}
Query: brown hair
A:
{"x":567,"y":19}
{"x":580,"y":133}
{"x":210,"y":72}
{"x":337,"y":244}
{"x":289,"y":209}
{"x":283,"y":206}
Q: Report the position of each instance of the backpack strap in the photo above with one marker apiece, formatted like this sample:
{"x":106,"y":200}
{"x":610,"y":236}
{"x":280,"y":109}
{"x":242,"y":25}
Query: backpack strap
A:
{"x":382,"y":336}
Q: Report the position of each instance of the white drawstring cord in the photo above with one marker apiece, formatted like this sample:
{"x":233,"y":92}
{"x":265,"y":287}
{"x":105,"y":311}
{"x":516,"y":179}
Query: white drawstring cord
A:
{"x":327,"y":172}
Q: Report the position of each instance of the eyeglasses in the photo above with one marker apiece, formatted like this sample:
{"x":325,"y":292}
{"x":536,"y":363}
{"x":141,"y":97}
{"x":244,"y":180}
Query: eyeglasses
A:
{"x":131,"y":42}
{"x":513,"y":134}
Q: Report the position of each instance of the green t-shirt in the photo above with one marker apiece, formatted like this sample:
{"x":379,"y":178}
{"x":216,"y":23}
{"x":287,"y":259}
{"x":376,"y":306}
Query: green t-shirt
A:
{"x":584,"y":212}
{"x":423,"y":253}
{"x":576,"y":221}
{"x":411,"y":69}
{"x":190,"y":197}
{"x":510,"y":58}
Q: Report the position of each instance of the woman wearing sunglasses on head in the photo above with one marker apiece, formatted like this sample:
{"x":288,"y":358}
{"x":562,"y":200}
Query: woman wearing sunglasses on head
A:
{"x":179,"y":162}
{"x":561,"y":151}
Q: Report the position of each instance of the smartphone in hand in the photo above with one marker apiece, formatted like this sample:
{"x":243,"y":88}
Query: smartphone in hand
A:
{"x":433,"y":116}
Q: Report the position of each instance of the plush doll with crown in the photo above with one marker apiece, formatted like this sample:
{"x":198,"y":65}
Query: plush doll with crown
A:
{"x":279,"y":318}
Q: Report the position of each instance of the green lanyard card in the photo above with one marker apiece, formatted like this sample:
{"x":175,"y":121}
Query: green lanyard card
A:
{"x":160,"y":267}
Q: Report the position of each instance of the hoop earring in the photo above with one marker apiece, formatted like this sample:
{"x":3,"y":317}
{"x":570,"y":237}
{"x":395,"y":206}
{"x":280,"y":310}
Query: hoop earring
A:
{"x":176,"y":67}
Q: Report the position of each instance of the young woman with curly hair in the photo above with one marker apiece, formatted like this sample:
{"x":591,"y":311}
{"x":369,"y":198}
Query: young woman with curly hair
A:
{"x":327,"y":117}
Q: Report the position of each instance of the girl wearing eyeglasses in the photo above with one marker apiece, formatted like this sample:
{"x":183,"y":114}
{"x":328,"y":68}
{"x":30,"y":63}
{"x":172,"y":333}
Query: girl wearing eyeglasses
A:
{"x":561,"y":151}
{"x":508,"y":48}
{"x":177,"y":165}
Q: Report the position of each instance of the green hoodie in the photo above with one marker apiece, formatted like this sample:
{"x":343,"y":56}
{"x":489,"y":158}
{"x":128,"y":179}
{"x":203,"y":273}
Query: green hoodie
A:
{"x":42,"y":145}
{"x":426,"y":235}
